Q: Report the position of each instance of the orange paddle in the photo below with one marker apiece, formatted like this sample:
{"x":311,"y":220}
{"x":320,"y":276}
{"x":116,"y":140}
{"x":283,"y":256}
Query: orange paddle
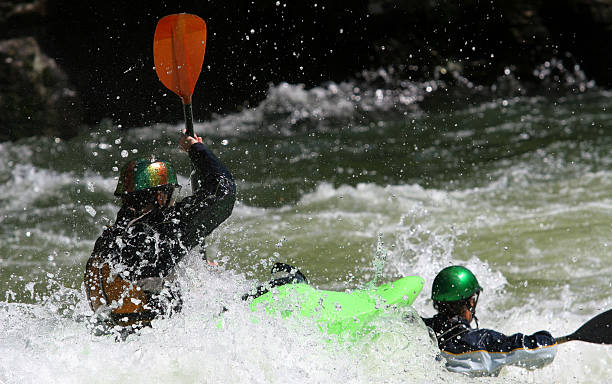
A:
{"x":178,"y":50}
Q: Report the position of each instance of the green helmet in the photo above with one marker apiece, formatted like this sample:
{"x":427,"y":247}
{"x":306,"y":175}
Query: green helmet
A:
{"x":143,"y":174}
{"x":453,"y":284}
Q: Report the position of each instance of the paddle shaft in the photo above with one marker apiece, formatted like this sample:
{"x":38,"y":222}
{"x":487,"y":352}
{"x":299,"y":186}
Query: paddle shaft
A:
{"x":188,"y":112}
{"x":563,"y":339}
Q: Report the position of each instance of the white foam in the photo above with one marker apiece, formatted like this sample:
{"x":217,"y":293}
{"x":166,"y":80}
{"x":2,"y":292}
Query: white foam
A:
{"x":193,"y":347}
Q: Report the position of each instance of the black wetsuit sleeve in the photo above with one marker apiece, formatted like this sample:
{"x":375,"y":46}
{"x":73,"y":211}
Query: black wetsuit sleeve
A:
{"x":456,"y":336}
{"x":213,"y":201}
{"x":485,"y":352}
{"x":493,"y":341}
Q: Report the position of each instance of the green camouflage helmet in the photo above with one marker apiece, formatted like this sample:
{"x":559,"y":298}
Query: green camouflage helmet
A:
{"x":145,"y":173}
{"x":454,"y":283}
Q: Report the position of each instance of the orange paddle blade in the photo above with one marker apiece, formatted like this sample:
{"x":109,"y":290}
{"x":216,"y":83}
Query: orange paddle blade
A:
{"x":178,"y":51}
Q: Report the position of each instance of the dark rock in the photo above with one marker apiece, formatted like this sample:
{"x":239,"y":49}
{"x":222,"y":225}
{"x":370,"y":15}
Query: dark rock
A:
{"x":35,"y":97}
{"x":17,"y":15}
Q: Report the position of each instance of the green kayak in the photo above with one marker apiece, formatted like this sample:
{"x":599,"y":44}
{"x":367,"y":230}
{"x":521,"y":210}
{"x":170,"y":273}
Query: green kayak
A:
{"x":339,"y":313}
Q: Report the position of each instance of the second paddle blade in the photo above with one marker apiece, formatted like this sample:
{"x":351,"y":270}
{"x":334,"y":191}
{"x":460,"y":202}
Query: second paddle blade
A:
{"x":178,"y":51}
{"x":597,"y":330}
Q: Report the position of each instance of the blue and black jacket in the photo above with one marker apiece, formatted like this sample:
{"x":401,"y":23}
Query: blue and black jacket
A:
{"x":484,"y":352}
{"x":129,"y":276}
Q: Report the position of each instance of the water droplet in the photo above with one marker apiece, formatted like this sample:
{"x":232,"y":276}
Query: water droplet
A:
{"x":124,"y":153}
{"x":92,"y":212}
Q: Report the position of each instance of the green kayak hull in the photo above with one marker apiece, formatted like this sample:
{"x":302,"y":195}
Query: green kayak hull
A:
{"x":340,"y":313}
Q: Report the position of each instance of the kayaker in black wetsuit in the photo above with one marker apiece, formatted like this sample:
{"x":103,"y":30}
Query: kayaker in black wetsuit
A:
{"x":129,"y":278}
{"x":479,"y":352}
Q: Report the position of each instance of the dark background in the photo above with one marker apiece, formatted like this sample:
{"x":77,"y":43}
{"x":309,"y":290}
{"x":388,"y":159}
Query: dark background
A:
{"x":102,"y":51}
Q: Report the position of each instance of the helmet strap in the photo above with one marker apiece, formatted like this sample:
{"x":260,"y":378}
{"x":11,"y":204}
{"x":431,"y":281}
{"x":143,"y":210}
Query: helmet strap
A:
{"x":168,"y":201}
{"x":170,"y":198}
{"x":159,"y":200}
{"x":472,"y":308}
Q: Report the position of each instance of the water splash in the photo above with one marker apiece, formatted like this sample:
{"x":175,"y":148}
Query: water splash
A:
{"x":379,"y":260}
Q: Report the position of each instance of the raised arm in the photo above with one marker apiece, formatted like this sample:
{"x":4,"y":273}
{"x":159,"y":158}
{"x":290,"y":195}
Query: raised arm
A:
{"x":213,"y":200}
